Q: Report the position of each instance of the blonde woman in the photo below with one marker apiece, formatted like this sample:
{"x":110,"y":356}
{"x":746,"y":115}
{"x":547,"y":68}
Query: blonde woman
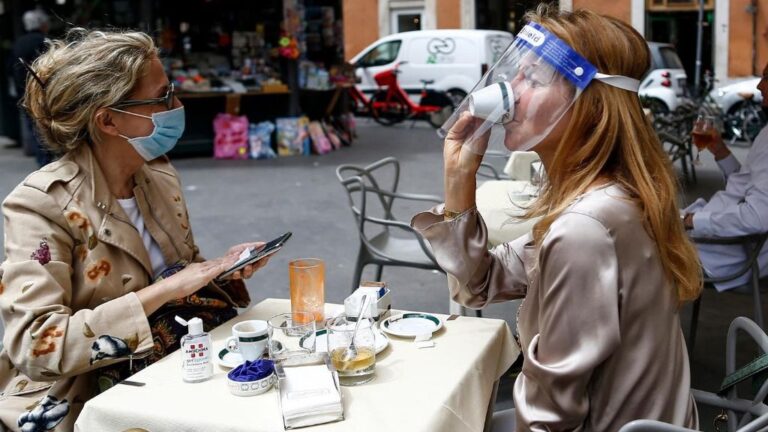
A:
{"x":608,"y":265}
{"x":99,"y":251}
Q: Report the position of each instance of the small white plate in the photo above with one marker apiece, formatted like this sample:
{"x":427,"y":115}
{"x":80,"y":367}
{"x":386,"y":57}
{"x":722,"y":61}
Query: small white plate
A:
{"x":411,"y":324}
{"x":321,"y":341}
{"x":229,"y":359}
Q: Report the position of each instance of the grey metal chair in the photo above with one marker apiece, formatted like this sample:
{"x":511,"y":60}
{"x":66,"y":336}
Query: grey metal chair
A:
{"x":488,"y":170}
{"x":759,"y":424}
{"x":752,"y":245}
{"x":739,"y":414}
{"x":385,"y":240}
{"x":740,"y":411}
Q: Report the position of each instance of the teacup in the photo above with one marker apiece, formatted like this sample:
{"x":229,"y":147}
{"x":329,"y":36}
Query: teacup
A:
{"x":249,"y":338}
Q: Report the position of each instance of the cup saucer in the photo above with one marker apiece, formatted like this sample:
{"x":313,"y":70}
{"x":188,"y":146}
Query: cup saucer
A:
{"x":229,"y":359}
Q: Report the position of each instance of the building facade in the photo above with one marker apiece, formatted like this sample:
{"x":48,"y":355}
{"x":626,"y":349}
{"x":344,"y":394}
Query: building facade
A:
{"x":735,"y":42}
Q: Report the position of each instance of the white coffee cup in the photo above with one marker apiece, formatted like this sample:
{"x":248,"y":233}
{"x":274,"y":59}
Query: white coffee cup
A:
{"x":249,"y":338}
{"x":494,"y":103}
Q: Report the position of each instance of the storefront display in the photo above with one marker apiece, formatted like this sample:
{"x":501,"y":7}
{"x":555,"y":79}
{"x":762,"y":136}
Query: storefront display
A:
{"x":264,"y":60}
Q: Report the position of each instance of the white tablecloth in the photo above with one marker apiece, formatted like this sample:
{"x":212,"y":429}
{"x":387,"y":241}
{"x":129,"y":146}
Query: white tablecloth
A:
{"x":499,"y":202}
{"x":445,"y":388}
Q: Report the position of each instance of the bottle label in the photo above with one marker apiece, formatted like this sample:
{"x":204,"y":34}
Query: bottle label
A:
{"x":196,"y":360}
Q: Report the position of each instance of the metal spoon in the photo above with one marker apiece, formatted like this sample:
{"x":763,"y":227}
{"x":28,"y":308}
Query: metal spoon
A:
{"x":351,"y":352}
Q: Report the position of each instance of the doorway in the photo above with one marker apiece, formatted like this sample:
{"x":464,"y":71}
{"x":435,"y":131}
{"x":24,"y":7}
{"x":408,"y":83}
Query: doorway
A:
{"x":679,"y":29}
{"x":506,"y":15}
{"x":403,"y":20}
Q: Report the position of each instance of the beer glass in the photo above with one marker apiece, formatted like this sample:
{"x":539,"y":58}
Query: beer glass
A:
{"x":704,"y":134}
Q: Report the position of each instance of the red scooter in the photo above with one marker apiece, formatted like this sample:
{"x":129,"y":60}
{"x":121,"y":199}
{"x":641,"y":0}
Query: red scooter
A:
{"x":391,"y":104}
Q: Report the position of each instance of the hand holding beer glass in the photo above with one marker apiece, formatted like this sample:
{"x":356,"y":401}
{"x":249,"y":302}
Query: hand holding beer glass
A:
{"x":704,"y":134}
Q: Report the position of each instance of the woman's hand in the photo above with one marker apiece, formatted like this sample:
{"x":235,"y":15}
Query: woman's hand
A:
{"x":184,"y":283}
{"x":197,"y":275}
{"x":247,"y":271}
{"x":462,"y":162}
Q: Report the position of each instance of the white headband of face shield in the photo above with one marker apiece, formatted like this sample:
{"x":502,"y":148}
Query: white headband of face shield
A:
{"x":527,"y":91}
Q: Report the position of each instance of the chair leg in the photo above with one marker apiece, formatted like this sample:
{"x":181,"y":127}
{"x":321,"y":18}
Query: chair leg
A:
{"x":379,"y":271}
{"x":358,"y":275}
{"x":479,"y":313}
{"x":456,"y":309}
{"x":359,"y":266}
{"x":692,"y":329}
{"x":756,"y":298}
{"x":491,"y":406}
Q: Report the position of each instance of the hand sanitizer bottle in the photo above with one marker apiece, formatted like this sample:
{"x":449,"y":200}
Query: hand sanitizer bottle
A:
{"x":196,"y":363}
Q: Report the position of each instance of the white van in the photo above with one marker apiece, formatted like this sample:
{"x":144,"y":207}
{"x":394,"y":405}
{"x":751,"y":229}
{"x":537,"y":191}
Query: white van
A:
{"x":454,"y":59}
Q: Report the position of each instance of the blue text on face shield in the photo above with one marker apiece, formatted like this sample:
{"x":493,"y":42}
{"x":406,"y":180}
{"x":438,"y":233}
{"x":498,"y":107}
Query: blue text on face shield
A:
{"x":557,"y":54}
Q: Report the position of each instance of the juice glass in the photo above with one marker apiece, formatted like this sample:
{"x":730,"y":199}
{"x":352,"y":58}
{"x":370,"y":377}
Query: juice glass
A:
{"x":306,"y":278}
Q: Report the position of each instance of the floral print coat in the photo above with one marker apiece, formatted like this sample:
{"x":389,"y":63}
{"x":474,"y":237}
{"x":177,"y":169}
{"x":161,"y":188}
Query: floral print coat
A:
{"x":67,"y":286}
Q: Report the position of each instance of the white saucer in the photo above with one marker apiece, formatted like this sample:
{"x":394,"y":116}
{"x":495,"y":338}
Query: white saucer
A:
{"x":228,"y":359}
{"x":321,"y":341}
{"x":411,"y":324}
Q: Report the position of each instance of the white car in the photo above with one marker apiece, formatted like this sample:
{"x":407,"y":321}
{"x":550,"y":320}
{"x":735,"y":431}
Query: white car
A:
{"x":452,"y":61}
{"x":729,"y":97}
{"x":666,"y":83}
{"x":741,"y":103}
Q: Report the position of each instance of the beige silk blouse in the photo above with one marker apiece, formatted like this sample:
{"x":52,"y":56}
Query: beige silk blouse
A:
{"x":599,"y":325}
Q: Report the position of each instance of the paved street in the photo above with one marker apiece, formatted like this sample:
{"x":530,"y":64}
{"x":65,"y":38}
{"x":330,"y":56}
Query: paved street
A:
{"x":236,"y":201}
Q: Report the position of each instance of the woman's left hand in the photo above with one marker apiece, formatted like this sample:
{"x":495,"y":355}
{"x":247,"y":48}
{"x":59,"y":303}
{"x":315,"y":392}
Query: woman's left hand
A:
{"x":247,"y":271}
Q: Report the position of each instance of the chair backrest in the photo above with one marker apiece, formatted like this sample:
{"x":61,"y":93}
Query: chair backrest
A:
{"x":381,"y":179}
{"x":741,"y":412}
{"x":758,"y":424}
{"x":371,"y":191}
{"x":519,"y":165}
{"x":651,"y":426}
{"x":358,"y":180}
{"x":752,"y":244}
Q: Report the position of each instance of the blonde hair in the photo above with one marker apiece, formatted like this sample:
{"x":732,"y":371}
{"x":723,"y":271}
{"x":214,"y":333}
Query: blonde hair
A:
{"x":609,"y":137}
{"x":85,"y":71}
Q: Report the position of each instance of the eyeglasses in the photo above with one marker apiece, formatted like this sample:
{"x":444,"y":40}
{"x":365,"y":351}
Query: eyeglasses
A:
{"x":168,"y":100}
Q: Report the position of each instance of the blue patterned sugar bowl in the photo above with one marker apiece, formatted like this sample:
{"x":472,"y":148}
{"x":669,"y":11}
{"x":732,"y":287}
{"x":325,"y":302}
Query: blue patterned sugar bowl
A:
{"x":251,"y":378}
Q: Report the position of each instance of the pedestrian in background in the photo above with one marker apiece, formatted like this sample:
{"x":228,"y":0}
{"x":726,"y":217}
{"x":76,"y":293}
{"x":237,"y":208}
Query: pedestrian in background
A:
{"x":27,"y":48}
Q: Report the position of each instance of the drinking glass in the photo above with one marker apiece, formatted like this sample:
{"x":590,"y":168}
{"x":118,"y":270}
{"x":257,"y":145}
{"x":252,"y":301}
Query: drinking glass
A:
{"x":307,"y":283}
{"x":359,"y":368}
{"x":290,"y":335}
{"x":704,"y":134}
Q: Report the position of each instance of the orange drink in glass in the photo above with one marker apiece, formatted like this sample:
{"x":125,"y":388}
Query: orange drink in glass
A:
{"x":306,"y":278}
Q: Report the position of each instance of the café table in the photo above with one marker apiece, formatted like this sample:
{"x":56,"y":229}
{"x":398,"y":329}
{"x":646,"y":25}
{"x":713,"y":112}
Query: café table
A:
{"x":445,"y":388}
{"x":501,"y":203}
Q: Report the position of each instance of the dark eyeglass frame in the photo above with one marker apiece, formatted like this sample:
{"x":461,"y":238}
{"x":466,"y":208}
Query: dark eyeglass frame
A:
{"x":168,"y":100}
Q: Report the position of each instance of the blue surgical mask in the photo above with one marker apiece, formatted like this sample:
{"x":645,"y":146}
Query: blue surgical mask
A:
{"x":169,"y":126}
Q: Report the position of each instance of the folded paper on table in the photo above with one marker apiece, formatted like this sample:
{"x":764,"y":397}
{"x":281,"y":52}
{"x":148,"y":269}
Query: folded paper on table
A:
{"x":309,"y":392}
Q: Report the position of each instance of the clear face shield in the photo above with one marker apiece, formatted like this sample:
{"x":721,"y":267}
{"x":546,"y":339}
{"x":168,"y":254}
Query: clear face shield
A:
{"x":526,"y":93}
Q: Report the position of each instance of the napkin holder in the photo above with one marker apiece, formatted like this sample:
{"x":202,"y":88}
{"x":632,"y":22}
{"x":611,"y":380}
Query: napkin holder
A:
{"x":303,"y":420}
{"x":379,"y":301}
